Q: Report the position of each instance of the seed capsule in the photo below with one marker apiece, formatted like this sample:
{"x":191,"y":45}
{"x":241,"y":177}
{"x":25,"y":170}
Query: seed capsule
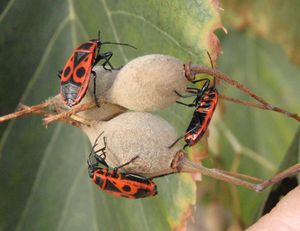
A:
{"x":139,"y":134}
{"x":148,"y":83}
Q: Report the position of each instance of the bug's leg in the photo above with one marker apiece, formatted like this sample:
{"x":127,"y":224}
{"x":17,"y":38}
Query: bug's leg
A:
{"x":59,"y":74}
{"x":184,"y":96}
{"x":200,"y":80}
{"x":192,"y":90}
{"x":94,"y":88}
{"x":102,"y":150}
{"x":106,"y":56}
{"x":123,"y":165}
{"x":188,"y":105}
{"x":170,"y":173}
{"x":178,"y":94}
{"x":102,"y":156}
{"x":175,"y":142}
{"x":198,"y":92}
{"x":93,"y":147}
{"x":205,"y":85}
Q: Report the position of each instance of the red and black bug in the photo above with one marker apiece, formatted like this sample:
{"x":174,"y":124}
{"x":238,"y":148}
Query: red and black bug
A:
{"x":75,"y":76}
{"x":119,"y":184}
{"x":205,"y":102}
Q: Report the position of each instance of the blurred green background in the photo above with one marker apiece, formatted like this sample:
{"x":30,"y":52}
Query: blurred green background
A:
{"x":44,"y":183}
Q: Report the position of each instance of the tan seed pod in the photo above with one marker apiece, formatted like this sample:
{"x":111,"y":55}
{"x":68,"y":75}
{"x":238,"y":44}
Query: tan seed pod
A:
{"x":148,"y":83}
{"x":104,"y":81}
{"x":139,"y":134}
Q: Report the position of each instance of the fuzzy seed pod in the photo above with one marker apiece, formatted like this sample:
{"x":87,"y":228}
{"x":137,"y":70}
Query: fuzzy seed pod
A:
{"x":139,"y":134}
{"x":148,"y":83}
{"x":104,"y":81}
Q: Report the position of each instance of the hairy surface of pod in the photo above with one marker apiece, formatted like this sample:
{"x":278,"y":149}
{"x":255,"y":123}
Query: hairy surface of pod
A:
{"x":148,"y":83}
{"x":104,"y":81}
{"x":139,"y":134}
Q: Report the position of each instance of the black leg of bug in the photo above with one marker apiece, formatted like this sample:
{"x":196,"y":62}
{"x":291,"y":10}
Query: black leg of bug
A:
{"x":200,"y":80}
{"x":175,"y":142}
{"x":127,"y":163}
{"x":59,"y":74}
{"x":106,"y":56}
{"x":94,"y":88}
{"x":99,"y":158}
{"x":178,"y":94}
{"x":190,"y":89}
{"x":184,"y":96}
{"x":188,"y":105}
{"x":199,"y":93}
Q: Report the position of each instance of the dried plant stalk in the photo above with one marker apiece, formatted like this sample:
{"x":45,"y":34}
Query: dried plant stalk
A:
{"x":191,"y":70}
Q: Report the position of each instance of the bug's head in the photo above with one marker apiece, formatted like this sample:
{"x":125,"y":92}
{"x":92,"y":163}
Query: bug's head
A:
{"x":91,"y":168}
{"x":97,"y":40}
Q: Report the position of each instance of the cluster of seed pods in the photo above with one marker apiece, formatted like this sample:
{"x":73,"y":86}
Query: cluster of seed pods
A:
{"x":141,"y":144}
{"x":144,"y":85}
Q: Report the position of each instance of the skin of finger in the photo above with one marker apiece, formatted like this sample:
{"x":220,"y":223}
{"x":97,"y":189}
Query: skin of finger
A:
{"x":285,"y":216}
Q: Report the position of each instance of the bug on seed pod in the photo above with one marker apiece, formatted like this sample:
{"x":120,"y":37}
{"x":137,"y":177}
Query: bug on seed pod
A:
{"x":106,"y":111}
{"x":148,"y":83}
{"x":139,"y":134}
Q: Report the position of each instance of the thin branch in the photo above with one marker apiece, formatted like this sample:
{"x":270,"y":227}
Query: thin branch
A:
{"x":199,"y":69}
{"x":25,"y":111}
{"x":246,"y":103}
{"x":44,"y":114}
{"x":73,"y":111}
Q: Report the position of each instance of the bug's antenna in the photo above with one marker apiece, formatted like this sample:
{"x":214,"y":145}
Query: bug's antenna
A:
{"x":99,"y":35}
{"x":212,"y":65}
{"x":122,"y":44}
{"x":95,"y":143}
{"x":211,"y":62}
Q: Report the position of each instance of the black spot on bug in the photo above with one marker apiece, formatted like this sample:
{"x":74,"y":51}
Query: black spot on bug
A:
{"x":79,"y":57}
{"x":80,"y":72}
{"x":127,"y":188}
{"x":142,"y":193}
{"x":111,"y":187}
{"x":99,"y":181}
{"x":67,"y":71}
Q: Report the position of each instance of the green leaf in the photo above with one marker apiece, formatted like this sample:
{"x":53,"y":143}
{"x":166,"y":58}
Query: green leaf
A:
{"x":44,"y":183}
{"x":253,"y":141}
{"x":279,"y":190}
{"x":276,"y":20}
